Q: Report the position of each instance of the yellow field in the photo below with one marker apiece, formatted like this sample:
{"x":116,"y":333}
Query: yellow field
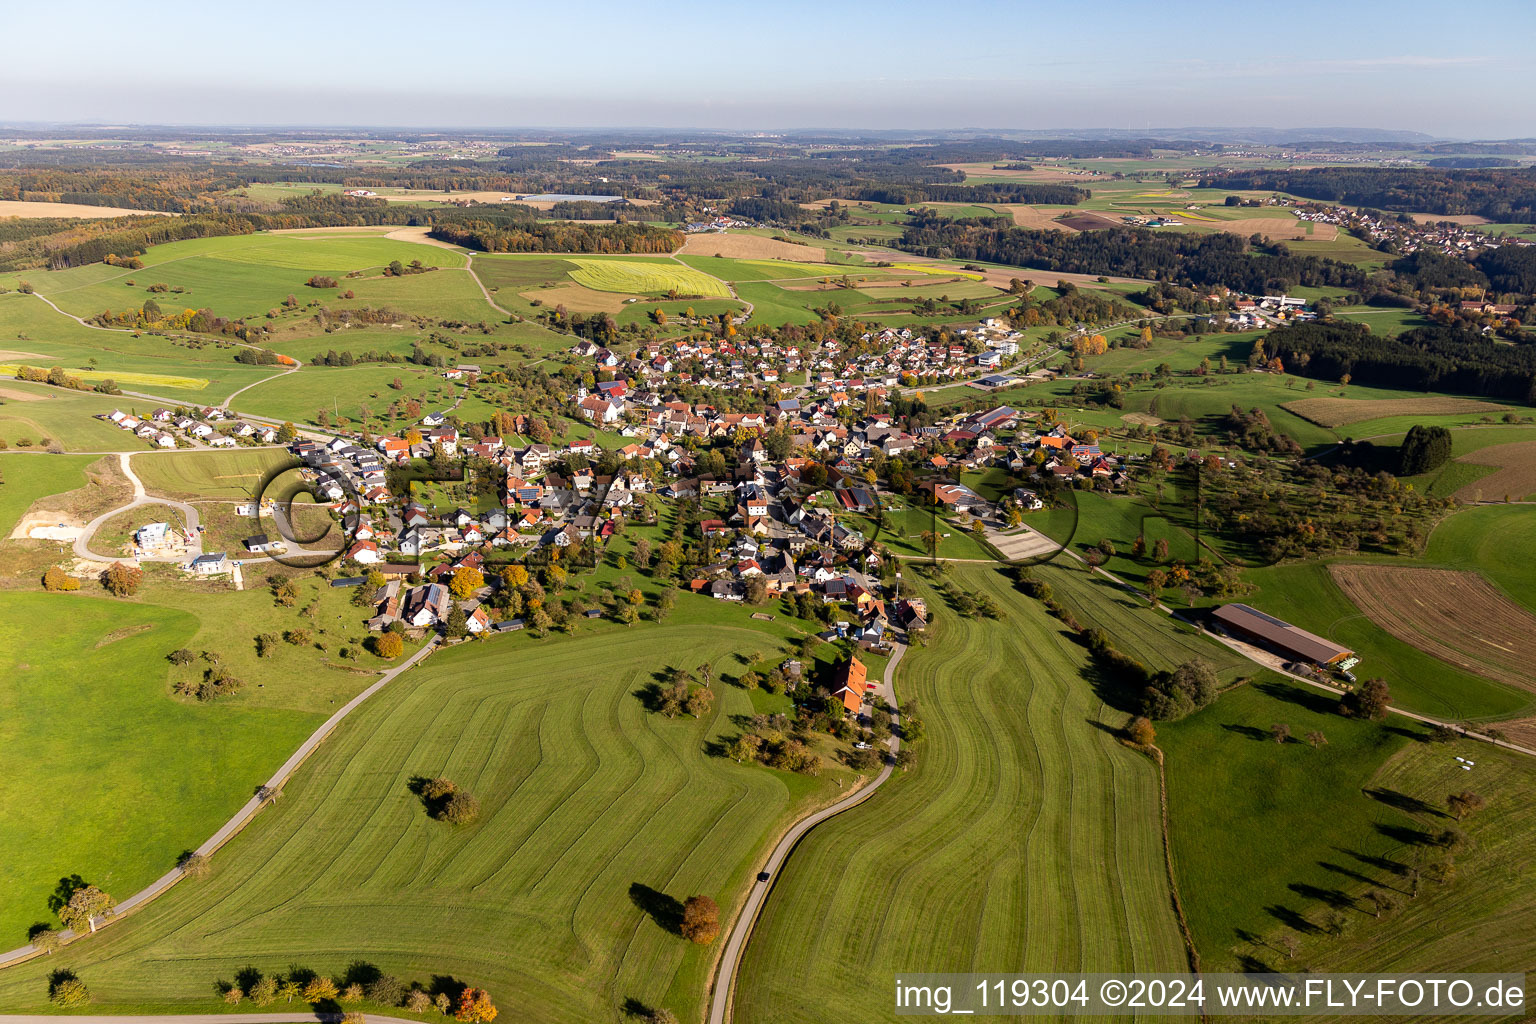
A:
{"x":164,"y":380}
{"x":634,"y":277}
{"x":929,"y":268}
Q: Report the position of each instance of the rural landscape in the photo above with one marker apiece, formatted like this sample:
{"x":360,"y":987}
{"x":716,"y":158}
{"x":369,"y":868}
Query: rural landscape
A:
{"x":650,"y":575}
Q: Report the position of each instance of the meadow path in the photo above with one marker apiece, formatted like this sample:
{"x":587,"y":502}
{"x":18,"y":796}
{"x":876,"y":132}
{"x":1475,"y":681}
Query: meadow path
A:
{"x":720,"y":1008}
{"x":269,"y":790}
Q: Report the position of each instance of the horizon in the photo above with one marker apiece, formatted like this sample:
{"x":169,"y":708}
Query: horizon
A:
{"x":1370,"y":65}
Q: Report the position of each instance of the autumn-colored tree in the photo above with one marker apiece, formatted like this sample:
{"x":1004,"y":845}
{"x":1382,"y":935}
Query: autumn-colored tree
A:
{"x":515,"y":576}
{"x":85,"y":905}
{"x":475,"y":1005}
{"x":319,"y":990}
{"x":57,"y":579}
{"x":1370,"y":700}
{"x":701,"y":920}
{"x":465,"y":581}
{"x":264,"y":991}
{"x":68,"y":990}
{"x":388,"y":646}
{"x":1464,"y":803}
{"x":290,"y":990}
{"x":121,"y":579}
{"x":1141,"y":732}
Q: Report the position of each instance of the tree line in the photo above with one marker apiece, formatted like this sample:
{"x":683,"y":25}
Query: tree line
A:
{"x":1500,"y":194}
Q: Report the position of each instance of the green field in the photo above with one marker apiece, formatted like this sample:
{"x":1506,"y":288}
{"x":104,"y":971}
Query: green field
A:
{"x":592,"y":808}
{"x":344,"y":390}
{"x":635,"y":277}
{"x":67,"y":417}
{"x":1305,"y":594}
{"x":1350,"y":816}
{"x":1026,"y":838}
{"x":1497,"y":540}
{"x":231,"y":474}
{"x":134,"y":776}
{"x":26,"y":478}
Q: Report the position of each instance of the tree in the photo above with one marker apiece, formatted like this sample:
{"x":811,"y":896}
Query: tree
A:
{"x":1380,"y":901}
{"x":264,"y":990}
{"x":1317,"y":739}
{"x":45,"y":938}
{"x":233,"y":995}
{"x":290,"y":990}
{"x":930,"y":541}
{"x":1369,"y":701}
{"x":418,"y":1001}
{"x":386,"y":990}
{"x":194,"y":865}
{"x":122,"y":580}
{"x":85,"y":905}
{"x":1464,"y":803}
{"x":1160,"y":549}
{"x":56,"y":579}
{"x":700,"y":701}
{"x":388,"y":646}
{"x":319,"y":990}
{"x":465,"y":581}
{"x":515,"y":576}
{"x":1281,"y":732}
{"x":68,"y":990}
{"x":701,"y":920}
{"x":1141,"y":732}
{"x":475,"y":1005}
{"x":461,"y":809}
{"x":353,"y":993}
{"x":457,"y":624}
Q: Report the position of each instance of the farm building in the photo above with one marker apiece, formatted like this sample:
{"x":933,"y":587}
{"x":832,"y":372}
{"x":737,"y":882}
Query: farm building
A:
{"x":1250,"y":624}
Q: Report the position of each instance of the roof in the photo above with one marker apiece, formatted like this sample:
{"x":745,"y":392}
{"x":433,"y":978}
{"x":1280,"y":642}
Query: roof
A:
{"x":853,"y":674}
{"x":1292,"y":639}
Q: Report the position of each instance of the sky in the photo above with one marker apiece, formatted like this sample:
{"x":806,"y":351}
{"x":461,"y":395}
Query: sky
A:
{"x":1459,"y":71}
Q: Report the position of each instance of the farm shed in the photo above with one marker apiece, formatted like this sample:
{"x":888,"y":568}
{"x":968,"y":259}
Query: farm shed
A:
{"x":1281,"y":637}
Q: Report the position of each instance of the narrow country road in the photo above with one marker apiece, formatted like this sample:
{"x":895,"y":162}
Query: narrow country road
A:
{"x":194,"y":547}
{"x":720,"y":1008}
{"x":241,"y":818}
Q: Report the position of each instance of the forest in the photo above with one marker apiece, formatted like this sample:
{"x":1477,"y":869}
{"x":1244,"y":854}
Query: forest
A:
{"x":558,"y":236}
{"x":1426,"y":358}
{"x":1501,"y":195}
{"x":1187,"y":259}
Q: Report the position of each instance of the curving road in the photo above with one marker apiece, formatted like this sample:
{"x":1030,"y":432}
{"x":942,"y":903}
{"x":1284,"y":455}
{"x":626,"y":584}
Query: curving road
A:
{"x":241,"y":818}
{"x":140,"y":497}
{"x":730,"y":957}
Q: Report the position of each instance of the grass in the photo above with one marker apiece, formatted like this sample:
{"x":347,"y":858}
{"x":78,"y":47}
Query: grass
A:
{"x":344,"y":390}
{"x":1305,"y":594}
{"x":118,"y":805}
{"x":66,"y":417}
{"x":1025,"y":836}
{"x":1350,"y":816}
{"x":26,"y":478}
{"x":646,"y":278}
{"x":596,"y":813}
{"x":231,"y":474}
{"x":1497,"y":540}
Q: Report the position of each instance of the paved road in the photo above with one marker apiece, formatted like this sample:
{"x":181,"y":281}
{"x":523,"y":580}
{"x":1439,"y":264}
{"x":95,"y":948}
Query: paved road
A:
{"x":730,"y":957}
{"x":241,"y":818}
{"x":140,"y":497}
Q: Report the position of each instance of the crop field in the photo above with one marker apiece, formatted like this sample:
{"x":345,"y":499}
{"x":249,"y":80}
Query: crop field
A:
{"x":1498,"y":541}
{"x":596,"y":815}
{"x":740,"y":246}
{"x":235,"y":276}
{"x":982,"y":857}
{"x":132,"y":379}
{"x":1339,"y":412}
{"x":646,"y":278}
{"x":1307,"y":595}
{"x":230,"y":474}
{"x":764,"y":270}
{"x":1459,"y":617}
{"x":137,"y":797}
{"x":1514,"y":475}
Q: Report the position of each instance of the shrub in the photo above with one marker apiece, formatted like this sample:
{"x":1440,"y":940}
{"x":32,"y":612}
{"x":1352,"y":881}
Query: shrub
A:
{"x":57,"y":579}
{"x":68,"y":990}
{"x":386,"y":990}
{"x":418,"y":1001}
{"x":701,"y":920}
{"x":122,"y":580}
{"x":461,"y":809}
{"x":388,"y":646}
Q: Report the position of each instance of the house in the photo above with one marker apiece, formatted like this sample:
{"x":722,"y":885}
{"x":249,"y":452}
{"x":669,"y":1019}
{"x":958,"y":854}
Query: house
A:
{"x":261,"y":544}
{"x":434,"y":419}
{"x":151,"y":536}
{"x":852,"y":680}
{"x":365,"y":552}
{"x":211,"y":564}
{"x":425,"y":606}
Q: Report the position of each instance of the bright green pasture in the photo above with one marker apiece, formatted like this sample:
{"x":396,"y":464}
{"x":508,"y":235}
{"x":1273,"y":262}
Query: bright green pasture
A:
{"x":1026,"y":837}
{"x":343,"y":390}
{"x":231,"y":474}
{"x":68,"y":417}
{"x":134,"y":776}
{"x":26,"y":478}
{"x":595,"y":811}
